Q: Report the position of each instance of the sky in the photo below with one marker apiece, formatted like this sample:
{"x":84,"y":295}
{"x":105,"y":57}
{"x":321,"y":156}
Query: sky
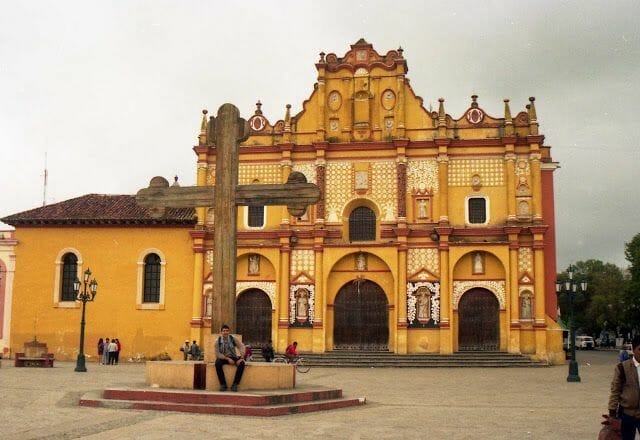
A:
{"x":107,"y":95}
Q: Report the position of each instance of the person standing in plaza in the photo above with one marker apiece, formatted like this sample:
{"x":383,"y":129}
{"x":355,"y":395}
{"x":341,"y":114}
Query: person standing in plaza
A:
{"x":228,"y":350}
{"x":624,"y":400}
{"x":118,"y":348}
{"x":105,"y":352}
{"x":113,"y":347}
{"x":100,"y":350}
{"x":185,"y":349}
{"x":195,"y":351}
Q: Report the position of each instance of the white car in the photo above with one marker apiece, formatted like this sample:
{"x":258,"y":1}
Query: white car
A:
{"x":585,"y":342}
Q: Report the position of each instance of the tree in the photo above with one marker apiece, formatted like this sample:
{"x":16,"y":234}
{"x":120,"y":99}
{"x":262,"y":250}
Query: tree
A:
{"x":632,"y":293}
{"x":601,"y":307}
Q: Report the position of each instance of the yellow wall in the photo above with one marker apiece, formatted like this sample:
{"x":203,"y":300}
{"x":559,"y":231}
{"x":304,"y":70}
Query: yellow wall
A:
{"x":112,"y":255}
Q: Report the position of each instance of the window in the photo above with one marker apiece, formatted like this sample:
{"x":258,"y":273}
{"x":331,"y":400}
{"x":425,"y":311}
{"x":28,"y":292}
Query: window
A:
{"x":477,"y":208}
{"x":151,"y":293}
{"x":362,"y":224}
{"x":150,"y":280}
{"x":68,"y":276}
{"x":255,"y":216}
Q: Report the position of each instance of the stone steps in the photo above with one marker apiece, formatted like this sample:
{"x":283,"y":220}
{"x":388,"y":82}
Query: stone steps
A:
{"x":358,"y":359}
{"x":263,"y":404}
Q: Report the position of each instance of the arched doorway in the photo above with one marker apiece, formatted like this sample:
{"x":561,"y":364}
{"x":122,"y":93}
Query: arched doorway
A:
{"x":478,"y":326}
{"x":253,"y":317}
{"x":361,"y":317}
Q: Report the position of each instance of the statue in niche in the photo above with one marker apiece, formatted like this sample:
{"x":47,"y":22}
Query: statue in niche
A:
{"x":478,"y":263}
{"x":361,"y":262}
{"x":302,"y":305}
{"x":208,"y":305}
{"x":422,"y":208}
{"x":254,"y":264}
{"x":525,"y":306}
{"x":423,"y":305}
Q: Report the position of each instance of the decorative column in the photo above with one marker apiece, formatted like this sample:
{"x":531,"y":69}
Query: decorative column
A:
{"x":510,"y":162}
{"x":513,"y":294}
{"x":283,"y":291}
{"x":318,"y":343}
{"x":446,"y":313}
{"x":400,"y":107}
{"x":539,"y":299}
{"x":536,"y":187}
{"x":443,"y":181}
{"x":322,"y":99}
{"x":198,"y":275}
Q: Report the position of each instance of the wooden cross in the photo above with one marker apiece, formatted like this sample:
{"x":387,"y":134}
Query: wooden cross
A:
{"x":229,"y":130}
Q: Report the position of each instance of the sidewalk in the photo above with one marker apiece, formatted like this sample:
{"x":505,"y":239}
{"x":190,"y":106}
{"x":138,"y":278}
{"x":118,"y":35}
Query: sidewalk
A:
{"x":434,"y":403}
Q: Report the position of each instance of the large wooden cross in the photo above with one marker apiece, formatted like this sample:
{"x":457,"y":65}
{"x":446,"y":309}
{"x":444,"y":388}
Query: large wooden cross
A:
{"x":229,"y":130}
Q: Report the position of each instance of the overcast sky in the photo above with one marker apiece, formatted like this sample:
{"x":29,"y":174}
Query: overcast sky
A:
{"x":111,"y":92}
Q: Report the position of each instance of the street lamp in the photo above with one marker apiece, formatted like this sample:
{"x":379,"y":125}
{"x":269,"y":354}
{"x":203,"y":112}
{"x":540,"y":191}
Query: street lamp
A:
{"x":88,"y":293}
{"x":570,"y":289}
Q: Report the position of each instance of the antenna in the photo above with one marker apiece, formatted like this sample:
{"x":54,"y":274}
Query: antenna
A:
{"x":46,"y":174}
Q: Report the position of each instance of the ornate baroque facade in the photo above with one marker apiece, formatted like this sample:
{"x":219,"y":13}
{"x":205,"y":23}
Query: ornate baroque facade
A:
{"x":433,"y":233}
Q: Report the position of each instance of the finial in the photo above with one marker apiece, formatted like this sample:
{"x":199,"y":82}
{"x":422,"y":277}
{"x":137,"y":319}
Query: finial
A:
{"x":474,"y":101}
{"x":532,"y":110}
{"x":508,"y":120}
{"x":258,"y":108}
{"x":287,"y":115}
{"x":175,"y":181}
{"x":400,"y":51}
{"x":441,"y":113}
{"x":203,"y":124}
{"x":322,"y":54}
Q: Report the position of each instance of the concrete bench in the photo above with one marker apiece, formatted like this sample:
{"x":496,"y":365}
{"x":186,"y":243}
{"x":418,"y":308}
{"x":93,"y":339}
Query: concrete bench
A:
{"x":34,"y":355}
{"x":201,"y":375}
{"x":45,"y":361}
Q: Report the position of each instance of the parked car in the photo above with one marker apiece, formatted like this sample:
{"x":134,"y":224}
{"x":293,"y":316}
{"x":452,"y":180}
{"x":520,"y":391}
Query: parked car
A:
{"x":585,"y":342}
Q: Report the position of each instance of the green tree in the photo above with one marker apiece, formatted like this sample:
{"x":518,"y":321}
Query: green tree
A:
{"x":601,"y":307}
{"x":632,"y":293}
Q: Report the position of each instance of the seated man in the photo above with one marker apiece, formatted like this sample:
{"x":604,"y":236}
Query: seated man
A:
{"x":291,"y":353}
{"x":228,"y":350}
{"x":267,"y":351}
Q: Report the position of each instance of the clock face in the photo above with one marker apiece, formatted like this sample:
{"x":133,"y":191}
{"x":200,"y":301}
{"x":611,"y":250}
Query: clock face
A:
{"x":362,"y":180}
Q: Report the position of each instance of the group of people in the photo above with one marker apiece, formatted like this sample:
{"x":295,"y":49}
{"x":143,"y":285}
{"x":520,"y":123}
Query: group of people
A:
{"x":191,"y":352}
{"x":291,"y":353}
{"x":109,"y":351}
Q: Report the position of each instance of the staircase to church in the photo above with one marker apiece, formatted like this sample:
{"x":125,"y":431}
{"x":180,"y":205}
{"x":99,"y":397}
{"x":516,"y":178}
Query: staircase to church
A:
{"x":372,"y":359}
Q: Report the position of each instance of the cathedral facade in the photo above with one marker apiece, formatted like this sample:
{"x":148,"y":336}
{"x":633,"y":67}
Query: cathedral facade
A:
{"x":433,"y":234}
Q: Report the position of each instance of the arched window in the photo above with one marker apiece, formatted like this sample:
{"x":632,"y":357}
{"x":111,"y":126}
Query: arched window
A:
{"x":255,"y":216}
{"x":362,"y":224}
{"x":151,"y":292}
{"x":68,"y":274}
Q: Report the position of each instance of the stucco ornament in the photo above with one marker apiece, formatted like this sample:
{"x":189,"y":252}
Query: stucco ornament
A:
{"x":434,"y":288}
{"x":267,"y":287}
{"x":292,"y":301}
{"x":495,"y":287}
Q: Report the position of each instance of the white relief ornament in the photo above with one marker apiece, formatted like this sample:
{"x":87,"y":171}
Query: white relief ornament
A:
{"x":266,"y":286}
{"x":412,"y":300}
{"x":292,"y":301}
{"x":257,"y":123}
{"x":333,"y":125}
{"x":475,"y":116}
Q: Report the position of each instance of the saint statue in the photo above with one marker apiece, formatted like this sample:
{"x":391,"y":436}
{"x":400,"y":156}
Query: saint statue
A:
{"x":423,"y":305}
{"x":254,"y":264}
{"x":302,"y":305}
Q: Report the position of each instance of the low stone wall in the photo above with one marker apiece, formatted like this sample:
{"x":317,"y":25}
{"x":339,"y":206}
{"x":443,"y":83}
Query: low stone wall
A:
{"x":186,"y":375}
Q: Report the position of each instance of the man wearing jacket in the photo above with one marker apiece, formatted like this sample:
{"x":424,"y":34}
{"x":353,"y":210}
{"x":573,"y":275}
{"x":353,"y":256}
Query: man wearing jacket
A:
{"x":624,"y":400}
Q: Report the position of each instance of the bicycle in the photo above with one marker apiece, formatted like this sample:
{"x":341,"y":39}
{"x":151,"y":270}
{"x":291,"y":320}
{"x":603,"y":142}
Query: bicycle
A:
{"x":300,"y":363}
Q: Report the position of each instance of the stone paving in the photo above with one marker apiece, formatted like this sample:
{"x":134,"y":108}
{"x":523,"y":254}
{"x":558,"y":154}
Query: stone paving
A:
{"x":409,"y":403}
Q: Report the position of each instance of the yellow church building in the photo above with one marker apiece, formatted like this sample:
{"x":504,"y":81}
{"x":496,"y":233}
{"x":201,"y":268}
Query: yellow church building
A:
{"x":433,"y":234}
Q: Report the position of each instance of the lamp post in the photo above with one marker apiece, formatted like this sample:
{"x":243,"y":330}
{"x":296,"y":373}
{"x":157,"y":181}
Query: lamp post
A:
{"x":570,"y":289}
{"x":87,"y":294}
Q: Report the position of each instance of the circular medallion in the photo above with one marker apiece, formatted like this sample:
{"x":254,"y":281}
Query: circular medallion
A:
{"x":257,"y":123}
{"x":335,"y":100}
{"x":388,"y":99}
{"x":475,"y":115}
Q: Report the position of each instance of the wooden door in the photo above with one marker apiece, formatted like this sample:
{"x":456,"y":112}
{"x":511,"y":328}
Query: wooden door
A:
{"x":478,"y":326}
{"x":361,"y":317}
{"x":253,"y":317}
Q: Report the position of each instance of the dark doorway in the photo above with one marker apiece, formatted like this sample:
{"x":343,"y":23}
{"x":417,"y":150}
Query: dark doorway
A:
{"x":253,"y":317}
{"x":361,"y":317}
{"x":478,"y":327}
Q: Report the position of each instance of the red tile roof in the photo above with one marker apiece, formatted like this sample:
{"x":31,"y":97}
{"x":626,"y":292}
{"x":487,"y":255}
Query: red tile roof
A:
{"x":99,"y":209}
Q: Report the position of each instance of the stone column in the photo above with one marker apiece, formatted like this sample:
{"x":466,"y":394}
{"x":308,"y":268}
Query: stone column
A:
{"x":539,"y":298}
{"x":446,"y":288}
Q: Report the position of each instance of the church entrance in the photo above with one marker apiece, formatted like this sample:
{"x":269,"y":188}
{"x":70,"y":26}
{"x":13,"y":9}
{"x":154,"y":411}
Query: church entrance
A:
{"x":253,"y":317}
{"x":361,"y":317}
{"x":478,"y":327}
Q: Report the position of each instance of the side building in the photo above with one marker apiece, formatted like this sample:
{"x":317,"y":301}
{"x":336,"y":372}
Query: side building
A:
{"x":432,"y":235}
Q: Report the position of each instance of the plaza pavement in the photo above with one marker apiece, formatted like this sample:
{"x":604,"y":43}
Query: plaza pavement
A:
{"x":406,"y":403}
